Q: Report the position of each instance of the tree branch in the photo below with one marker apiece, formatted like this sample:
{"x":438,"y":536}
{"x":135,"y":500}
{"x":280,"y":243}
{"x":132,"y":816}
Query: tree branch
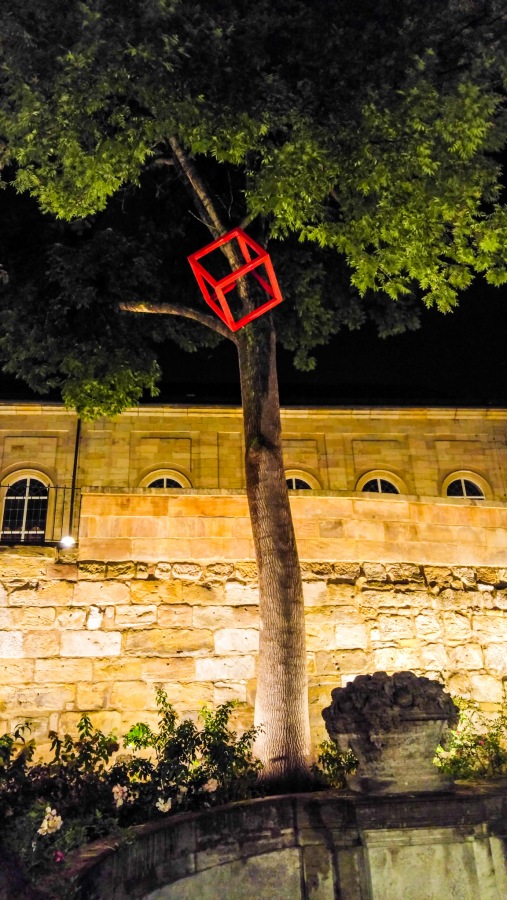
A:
{"x":202,"y":199}
{"x":172,"y":309}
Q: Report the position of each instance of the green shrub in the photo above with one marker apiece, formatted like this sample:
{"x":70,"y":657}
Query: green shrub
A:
{"x":88,"y":789}
{"x":477,"y":747}
{"x":333,"y":765}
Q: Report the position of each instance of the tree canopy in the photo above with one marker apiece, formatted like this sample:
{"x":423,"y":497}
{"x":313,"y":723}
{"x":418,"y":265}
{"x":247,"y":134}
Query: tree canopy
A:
{"x":361,"y":141}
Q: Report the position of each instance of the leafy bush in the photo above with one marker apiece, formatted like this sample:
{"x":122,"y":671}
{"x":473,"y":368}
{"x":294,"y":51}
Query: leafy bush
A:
{"x":477,"y":747}
{"x":88,"y":789}
{"x":333,"y":765}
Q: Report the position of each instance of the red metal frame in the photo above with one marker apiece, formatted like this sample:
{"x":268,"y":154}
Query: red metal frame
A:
{"x":216,"y":298}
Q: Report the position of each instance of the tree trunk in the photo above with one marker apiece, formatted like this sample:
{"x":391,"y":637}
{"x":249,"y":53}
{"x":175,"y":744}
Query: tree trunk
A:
{"x":281,"y":706}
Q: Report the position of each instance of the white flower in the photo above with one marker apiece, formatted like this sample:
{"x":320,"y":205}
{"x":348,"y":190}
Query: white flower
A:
{"x":211,"y":785}
{"x":182,"y":789}
{"x":120,"y":794}
{"x":164,"y":805}
{"x":51,"y":822}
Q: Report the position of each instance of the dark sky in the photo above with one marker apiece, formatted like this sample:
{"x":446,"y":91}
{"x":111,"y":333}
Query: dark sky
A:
{"x":456,"y":359}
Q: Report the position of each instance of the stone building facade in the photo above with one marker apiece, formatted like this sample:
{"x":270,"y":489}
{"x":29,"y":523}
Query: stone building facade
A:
{"x":401,"y":520}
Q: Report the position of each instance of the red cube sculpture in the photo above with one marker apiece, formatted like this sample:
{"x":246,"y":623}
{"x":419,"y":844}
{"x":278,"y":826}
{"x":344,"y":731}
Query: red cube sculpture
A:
{"x":214,"y":290}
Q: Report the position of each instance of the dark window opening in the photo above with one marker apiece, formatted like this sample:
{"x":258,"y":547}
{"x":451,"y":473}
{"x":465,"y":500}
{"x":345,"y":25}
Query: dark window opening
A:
{"x":463,"y":487}
{"x":380,"y":486}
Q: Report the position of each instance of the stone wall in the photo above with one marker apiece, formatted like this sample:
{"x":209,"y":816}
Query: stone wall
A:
{"x":335,"y":446}
{"x":311,"y":847}
{"x":99,"y":636}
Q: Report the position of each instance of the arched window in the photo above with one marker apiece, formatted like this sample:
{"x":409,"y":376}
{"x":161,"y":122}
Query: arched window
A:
{"x":379,"y":486}
{"x":25,"y":511}
{"x":297,"y":484}
{"x":298,"y":480}
{"x":164,"y":479}
{"x":380,"y":481}
{"x":164,"y":482}
{"x":463,"y":487}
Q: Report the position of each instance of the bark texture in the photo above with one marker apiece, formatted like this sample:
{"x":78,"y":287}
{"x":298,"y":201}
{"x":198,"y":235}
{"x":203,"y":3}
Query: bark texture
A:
{"x":281,"y":706}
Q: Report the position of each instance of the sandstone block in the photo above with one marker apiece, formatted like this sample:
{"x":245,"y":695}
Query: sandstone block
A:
{"x":236,"y":640}
{"x":489,"y":575}
{"x":91,"y":643}
{"x":121,"y":570}
{"x":141,"y":570}
{"x":135,"y":616}
{"x":335,"y":661}
{"x":11,"y":566}
{"x":225,"y":617}
{"x":315,"y":593}
{"x":402,"y":573}
{"x":71,"y":618}
{"x":486,"y":688}
{"x":346,"y":572}
{"x":41,"y":643}
{"x":158,"y":642}
{"x":466,"y":574}
{"x":175,"y":669}
{"x":186,"y":696}
{"x":45,"y":697}
{"x":156,"y":591}
{"x":245,"y":571}
{"x":392,"y":659}
{"x":43,"y":593}
{"x":459,"y":685}
{"x":66,"y":571}
{"x":202,"y":594}
{"x":16,"y":671}
{"x":132,"y":695}
{"x":91,"y":570}
{"x":490,"y":628}
{"x":223,"y":693}
{"x":392,"y":628}
{"x":218,"y":571}
{"x":374,"y":572}
{"x":174,"y":616}
{"x":351,"y":636}
{"x":457,"y":626}
{"x":427,"y":625}
{"x":225,"y":668}
{"x":439,"y":575}
{"x":117,"y":669}
{"x":62,"y":671}
{"x":319,"y":636}
{"x":3,"y":596}
{"x":186,"y":571}
{"x":93,"y":695}
{"x":163,"y":570}
{"x":467,"y":656}
{"x":495,"y":659}
{"x":8,"y":618}
{"x":238,"y":594}
{"x":100,"y":593}
{"x":33,"y":616}
{"x":434,"y":657}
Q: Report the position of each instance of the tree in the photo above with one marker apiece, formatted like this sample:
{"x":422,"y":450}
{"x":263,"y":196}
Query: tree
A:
{"x":358,"y":140}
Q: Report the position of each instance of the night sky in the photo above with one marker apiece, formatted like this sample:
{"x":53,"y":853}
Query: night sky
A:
{"x":456,"y":359}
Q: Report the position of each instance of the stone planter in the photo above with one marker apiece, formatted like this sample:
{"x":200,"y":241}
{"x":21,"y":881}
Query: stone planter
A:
{"x":393,"y":725}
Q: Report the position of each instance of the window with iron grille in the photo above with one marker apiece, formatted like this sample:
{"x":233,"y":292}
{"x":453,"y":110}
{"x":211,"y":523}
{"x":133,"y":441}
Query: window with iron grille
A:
{"x":25,"y":512}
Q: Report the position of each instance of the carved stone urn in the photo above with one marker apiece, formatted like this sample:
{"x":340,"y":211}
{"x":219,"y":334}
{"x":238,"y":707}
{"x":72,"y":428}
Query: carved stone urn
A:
{"x":393,"y":725}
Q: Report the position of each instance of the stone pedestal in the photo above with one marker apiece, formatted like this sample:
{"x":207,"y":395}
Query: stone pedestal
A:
{"x":393,"y":725}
